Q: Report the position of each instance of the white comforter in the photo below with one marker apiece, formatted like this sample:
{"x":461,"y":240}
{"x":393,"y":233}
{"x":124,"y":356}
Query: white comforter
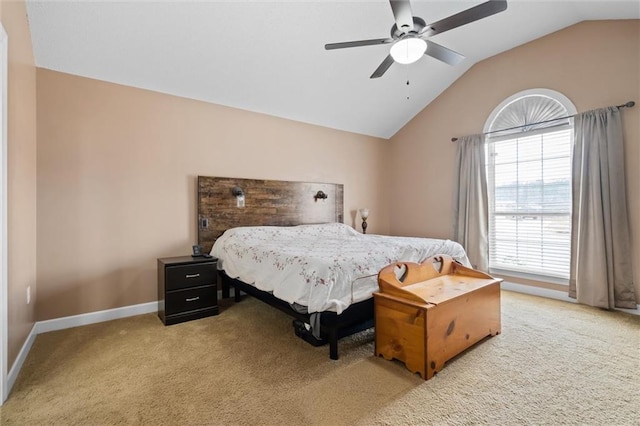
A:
{"x":324,"y":267}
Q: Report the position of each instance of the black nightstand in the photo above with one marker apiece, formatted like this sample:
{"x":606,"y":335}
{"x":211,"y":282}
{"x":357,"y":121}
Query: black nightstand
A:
{"x":187,"y":288}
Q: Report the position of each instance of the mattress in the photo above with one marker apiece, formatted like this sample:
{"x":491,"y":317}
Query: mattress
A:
{"x":324,"y":267}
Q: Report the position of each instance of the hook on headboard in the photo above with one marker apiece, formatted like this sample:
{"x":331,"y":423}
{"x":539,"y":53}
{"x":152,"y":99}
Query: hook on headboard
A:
{"x":320,"y":195}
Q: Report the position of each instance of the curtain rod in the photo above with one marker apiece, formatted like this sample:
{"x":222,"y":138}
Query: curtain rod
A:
{"x":629,"y":104}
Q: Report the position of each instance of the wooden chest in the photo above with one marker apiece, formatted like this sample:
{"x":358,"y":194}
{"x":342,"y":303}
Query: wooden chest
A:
{"x":425,"y":314}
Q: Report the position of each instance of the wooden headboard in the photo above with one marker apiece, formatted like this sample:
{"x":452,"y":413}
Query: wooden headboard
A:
{"x":267,"y":202}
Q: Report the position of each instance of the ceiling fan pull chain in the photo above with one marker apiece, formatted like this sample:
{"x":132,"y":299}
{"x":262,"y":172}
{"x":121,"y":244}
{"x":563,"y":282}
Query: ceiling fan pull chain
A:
{"x":408,"y":88}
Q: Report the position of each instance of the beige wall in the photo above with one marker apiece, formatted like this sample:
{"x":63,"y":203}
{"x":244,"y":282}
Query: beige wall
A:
{"x":117,"y":165}
{"x":116,"y":181}
{"x":595,"y":64}
{"x":21,"y":128}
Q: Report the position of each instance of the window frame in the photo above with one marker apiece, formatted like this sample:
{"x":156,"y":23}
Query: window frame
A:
{"x":570,"y":111}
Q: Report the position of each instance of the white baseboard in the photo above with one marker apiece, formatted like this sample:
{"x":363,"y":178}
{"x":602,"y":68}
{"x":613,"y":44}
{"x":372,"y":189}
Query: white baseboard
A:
{"x":94,"y":317}
{"x":536,"y":291}
{"x":70,"y":322}
{"x":635,"y":311}
{"x":551,"y":294}
{"x":22,"y":356}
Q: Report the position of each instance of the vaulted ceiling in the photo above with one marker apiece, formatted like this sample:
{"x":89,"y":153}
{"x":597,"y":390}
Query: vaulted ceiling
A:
{"x":269,"y":57}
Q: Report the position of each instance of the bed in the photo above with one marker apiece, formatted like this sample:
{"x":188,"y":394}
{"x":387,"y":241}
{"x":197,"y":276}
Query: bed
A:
{"x":286,"y":252}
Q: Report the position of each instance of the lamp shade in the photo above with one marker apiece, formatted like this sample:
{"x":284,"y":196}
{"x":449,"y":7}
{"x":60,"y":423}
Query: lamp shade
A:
{"x":364,"y":213}
{"x":408,"y":50}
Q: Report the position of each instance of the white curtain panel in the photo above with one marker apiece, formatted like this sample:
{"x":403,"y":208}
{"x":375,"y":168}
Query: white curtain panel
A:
{"x":601,"y":270}
{"x":471,"y":214}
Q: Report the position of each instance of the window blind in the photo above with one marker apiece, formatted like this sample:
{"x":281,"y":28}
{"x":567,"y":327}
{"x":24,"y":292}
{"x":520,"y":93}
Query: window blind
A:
{"x":529,"y":185}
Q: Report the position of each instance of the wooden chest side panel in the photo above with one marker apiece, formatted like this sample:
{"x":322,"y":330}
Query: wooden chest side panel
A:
{"x":459,"y":323}
{"x":400,"y":333}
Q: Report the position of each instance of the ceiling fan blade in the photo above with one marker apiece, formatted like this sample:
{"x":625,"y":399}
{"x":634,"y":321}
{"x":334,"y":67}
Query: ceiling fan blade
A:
{"x":358,"y":43}
{"x":465,"y":17}
{"x":443,"y":54}
{"x":384,"y":66}
{"x":402,"y":14}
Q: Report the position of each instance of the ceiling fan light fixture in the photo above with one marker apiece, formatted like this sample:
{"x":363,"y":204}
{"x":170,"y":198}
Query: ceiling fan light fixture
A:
{"x":408,"y":50}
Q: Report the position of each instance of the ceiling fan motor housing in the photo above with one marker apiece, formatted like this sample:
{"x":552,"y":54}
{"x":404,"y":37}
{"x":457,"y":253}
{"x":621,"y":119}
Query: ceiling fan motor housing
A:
{"x":418,"y":26}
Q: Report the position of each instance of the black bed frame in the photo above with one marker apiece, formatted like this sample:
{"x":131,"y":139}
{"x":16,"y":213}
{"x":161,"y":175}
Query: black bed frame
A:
{"x":355,"y":318}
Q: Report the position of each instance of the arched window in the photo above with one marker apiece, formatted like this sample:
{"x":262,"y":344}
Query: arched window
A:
{"x":529,"y":185}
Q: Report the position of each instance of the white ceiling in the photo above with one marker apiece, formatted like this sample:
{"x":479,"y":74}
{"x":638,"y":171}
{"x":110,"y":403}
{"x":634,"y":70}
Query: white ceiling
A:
{"x":269,"y":56}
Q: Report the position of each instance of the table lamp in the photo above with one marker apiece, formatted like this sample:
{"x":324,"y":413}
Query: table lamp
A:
{"x":364,"y":214}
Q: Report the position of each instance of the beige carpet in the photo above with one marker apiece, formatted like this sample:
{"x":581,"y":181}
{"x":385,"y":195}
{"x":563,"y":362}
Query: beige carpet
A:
{"x":554,"y":363}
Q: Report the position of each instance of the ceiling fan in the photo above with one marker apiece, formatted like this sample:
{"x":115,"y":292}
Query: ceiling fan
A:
{"x":410,"y":34}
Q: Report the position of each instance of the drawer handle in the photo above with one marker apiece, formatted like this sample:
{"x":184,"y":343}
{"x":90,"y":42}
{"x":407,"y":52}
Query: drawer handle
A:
{"x":192,"y":299}
{"x":193,"y":275}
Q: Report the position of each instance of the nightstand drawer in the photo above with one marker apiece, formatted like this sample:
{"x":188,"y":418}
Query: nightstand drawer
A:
{"x":191,"y":299}
{"x":185,"y":276}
